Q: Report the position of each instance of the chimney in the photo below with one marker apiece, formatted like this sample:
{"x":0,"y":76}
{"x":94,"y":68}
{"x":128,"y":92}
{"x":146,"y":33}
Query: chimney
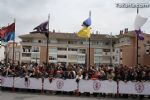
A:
{"x":96,"y":32}
{"x":53,"y":31}
{"x":126,"y":30}
{"x":121,"y":32}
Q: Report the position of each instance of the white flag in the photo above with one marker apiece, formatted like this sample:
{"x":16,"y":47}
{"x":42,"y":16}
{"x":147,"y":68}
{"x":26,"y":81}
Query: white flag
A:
{"x":139,"y":22}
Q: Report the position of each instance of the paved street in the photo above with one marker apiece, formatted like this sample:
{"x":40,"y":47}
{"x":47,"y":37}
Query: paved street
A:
{"x":23,"y":96}
{"x":29,"y":96}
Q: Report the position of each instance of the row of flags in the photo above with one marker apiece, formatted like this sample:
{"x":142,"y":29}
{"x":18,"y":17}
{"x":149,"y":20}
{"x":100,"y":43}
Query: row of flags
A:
{"x":85,"y":32}
{"x":8,"y":33}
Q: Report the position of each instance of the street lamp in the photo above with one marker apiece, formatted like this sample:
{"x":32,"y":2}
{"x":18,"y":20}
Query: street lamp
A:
{"x":111,"y":47}
{"x":110,"y":38}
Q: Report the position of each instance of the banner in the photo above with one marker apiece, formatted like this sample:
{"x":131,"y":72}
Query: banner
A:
{"x":60,"y":85}
{"x":129,"y":87}
{"x":0,"y":81}
{"x":28,"y":83}
{"x":97,"y":86}
{"x":7,"y":81}
{"x":92,"y":86}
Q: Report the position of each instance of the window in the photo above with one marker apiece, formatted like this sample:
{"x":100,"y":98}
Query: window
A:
{"x":26,"y":55}
{"x":71,"y":42}
{"x":73,"y":57}
{"x":23,"y":49}
{"x":26,"y":50}
{"x":95,"y":42}
{"x":116,"y":59}
{"x":39,"y":41}
{"x":81,"y":58}
{"x":53,"y":50}
{"x":117,"y":51}
{"x":139,"y":47}
{"x":113,"y":50}
{"x":82,"y":51}
{"x":35,"y":41}
{"x":35,"y":49}
{"x":107,"y":43}
{"x":81,"y":42}
{"x":26,"y":40}
{"x":106,"y":50}
{"x":62,"y":49}
{"x":72,"y":49}
{"x":52,"y":58}
{"x":120,"y":50}
{"x":61,"y":56}
{"x":35,"y":56}
{"x":147,"y":50}
{"x":139,"y":55}
{"x":113,"y":57}
{"x":98,"y":51}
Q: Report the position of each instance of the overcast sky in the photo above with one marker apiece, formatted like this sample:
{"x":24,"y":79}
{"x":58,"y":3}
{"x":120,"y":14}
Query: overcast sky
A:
{"x":68,"y":15}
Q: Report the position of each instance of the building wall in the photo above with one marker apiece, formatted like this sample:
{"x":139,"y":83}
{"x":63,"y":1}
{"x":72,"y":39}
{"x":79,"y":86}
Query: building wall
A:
{"x":146,"y":60}
{"x":91,"y":56}
{"x":124,"y":50}
{"x":43,"y":54}
{"x":9,"y":53}
{"x":127,"y":55}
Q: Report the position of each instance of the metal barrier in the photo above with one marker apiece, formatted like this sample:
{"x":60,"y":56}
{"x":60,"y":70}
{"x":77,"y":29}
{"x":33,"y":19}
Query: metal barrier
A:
{"x":91,"y":86}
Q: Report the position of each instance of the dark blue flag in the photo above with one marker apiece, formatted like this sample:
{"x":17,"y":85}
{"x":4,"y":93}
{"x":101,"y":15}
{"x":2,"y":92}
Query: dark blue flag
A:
{"x":87,"y":22}
{"x":139,"y":35}
{"x":43,"y":27}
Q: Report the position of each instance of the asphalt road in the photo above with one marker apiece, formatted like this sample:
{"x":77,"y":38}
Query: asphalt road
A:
{"x":32,"y":96}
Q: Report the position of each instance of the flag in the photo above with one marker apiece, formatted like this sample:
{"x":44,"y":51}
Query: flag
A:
{"x":43,"y":27}
{"x":139,"y":22}
{"x":8,"y":33}
{"x":139,"y":34}
{"x":87,"y":22}
{"x":85,"y":32}
{"x":2,"y":33}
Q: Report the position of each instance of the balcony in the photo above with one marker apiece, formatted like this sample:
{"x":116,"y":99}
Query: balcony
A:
{"x":62,"y":59}
{"x":122,"y":44}
{"x":72,"y":52}
{"x":26,"y":58}
{"x":62,"y":52}
{"x":105,"y":61}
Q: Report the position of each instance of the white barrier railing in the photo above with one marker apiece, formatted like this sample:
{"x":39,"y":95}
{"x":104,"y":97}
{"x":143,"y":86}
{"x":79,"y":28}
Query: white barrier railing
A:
{"x":92,"y":86}
{"x":60,"y":85}
{"x":129,"y":87}
{"x":97,"y":86}
{"x":31,"y":83}
{"x":7,"y":82}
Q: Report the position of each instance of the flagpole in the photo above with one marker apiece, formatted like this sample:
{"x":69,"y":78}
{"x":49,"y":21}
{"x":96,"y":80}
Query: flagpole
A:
{"x":47,"y":53}
{"x":13,"y":45}
{"x":89,"y":46}
{"x":86,"y":62}
{"x":111,"y":50}
{"x":137,"y":62}
{"x":89,"y":53}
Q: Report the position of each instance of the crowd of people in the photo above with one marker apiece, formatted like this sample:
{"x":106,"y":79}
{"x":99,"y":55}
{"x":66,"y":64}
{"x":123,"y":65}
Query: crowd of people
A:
{"x":101,"y":72}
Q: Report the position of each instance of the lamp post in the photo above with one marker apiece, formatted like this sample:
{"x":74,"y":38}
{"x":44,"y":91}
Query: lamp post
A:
{"x":110,"y":39}
{"x":36,"y":58}
{"x":110,"y":49}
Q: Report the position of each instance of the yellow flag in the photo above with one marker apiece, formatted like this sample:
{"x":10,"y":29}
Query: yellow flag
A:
{"x":85,"y":32}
